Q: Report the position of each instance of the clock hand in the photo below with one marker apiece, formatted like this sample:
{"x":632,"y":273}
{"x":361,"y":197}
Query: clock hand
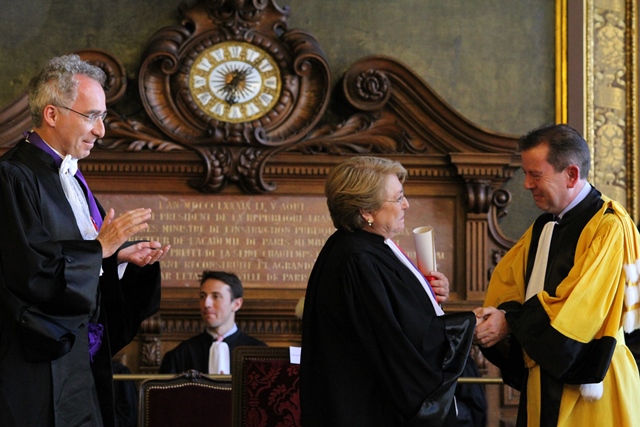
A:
{"x":236,"y":85}
{"x":230,"y":91}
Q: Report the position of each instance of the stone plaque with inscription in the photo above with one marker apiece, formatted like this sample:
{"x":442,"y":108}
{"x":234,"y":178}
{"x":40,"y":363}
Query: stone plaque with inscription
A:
{"x":268,"y":241}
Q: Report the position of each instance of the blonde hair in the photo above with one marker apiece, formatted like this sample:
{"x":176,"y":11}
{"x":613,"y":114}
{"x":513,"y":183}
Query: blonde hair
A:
{"x":358,"y":184}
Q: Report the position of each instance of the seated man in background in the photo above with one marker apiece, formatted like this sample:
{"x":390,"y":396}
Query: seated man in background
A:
{"x":210,"y":352}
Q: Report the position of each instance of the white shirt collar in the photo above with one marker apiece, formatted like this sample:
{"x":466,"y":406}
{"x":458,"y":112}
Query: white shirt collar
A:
{"x":231,"y":331}
{"x":580,"y":197}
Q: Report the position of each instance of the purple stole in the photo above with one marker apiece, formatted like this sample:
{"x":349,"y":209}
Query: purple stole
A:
{"x":37,"y":141}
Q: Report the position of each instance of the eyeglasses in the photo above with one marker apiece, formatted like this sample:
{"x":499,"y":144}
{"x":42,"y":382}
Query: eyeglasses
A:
{"x":398,"y":200}
{"x":93,"y":117}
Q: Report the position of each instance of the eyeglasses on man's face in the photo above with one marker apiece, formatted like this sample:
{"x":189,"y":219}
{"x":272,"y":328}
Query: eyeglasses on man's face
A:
{"x":93,"y":117}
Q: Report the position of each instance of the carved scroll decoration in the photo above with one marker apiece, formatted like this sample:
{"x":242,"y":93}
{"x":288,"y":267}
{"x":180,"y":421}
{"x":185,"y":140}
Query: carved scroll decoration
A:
{"x":397,"y":112}
{"x":233,"y":152}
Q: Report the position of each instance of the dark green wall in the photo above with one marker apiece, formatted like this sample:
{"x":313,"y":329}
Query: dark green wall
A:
{"x":492,"y":60}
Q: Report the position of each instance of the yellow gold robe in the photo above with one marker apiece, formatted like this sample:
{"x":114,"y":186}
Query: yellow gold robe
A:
{"x":588,"y":306}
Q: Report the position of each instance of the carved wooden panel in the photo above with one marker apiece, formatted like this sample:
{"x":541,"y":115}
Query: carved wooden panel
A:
{"x":171,"y":150}
{"x":233,"y":152}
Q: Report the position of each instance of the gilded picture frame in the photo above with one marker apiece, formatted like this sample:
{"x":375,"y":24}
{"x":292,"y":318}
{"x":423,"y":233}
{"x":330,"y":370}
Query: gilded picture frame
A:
{"x":597,"y":91}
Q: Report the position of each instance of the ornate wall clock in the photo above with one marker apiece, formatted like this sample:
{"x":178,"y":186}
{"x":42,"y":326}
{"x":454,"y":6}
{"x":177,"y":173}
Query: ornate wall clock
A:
{"x":235,"y":82}
{"x":235,"y":85}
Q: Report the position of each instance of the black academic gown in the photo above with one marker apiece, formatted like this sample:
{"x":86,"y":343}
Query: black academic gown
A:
{"x":50,"y":279}
{"x":373,"y":348}
{"x":194,"y":352}
{"x":572,"y":361}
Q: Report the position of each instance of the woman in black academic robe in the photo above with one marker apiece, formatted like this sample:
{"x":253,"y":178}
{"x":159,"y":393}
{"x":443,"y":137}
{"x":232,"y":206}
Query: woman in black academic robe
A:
{"x":376,"y":347}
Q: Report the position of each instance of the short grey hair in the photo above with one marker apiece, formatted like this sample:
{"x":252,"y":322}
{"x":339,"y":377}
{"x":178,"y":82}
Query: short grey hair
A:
{"x":55,"y":83}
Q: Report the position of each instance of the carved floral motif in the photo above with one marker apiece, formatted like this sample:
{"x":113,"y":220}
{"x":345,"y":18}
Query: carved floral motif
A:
{"x":233,"y":152}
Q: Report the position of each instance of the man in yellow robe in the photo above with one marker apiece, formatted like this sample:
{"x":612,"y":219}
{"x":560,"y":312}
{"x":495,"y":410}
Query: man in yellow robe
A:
{"x":560,"y":300}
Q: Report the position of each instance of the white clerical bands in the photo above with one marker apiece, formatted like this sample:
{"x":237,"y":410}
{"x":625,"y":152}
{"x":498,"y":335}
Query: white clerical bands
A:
{"x":536,"y":281}
{"x":76,"y":198}
{"x":219,"y":361}
{"x":536,"y":285}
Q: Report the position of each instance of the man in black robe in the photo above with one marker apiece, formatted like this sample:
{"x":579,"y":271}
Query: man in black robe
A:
{"x":73,"y":290}
{"x":221,"y":296}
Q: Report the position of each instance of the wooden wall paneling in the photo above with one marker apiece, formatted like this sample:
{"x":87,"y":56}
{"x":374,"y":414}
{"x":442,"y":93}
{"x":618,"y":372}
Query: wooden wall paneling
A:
{"x":446,"y":156}
{"x":171,"y":151}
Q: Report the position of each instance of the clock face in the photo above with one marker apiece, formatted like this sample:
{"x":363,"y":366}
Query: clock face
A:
{"x":235,"y":82}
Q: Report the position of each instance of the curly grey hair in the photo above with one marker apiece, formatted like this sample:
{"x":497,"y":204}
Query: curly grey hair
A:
{"x":55,"y":83}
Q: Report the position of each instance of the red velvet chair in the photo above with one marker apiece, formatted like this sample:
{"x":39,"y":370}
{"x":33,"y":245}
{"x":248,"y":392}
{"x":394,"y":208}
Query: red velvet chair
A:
{"x":189,"y":399}
{"x":265,"y":388}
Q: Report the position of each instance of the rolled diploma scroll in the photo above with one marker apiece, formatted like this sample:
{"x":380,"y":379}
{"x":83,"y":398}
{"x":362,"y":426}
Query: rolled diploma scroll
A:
{"x":425,"y":250}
